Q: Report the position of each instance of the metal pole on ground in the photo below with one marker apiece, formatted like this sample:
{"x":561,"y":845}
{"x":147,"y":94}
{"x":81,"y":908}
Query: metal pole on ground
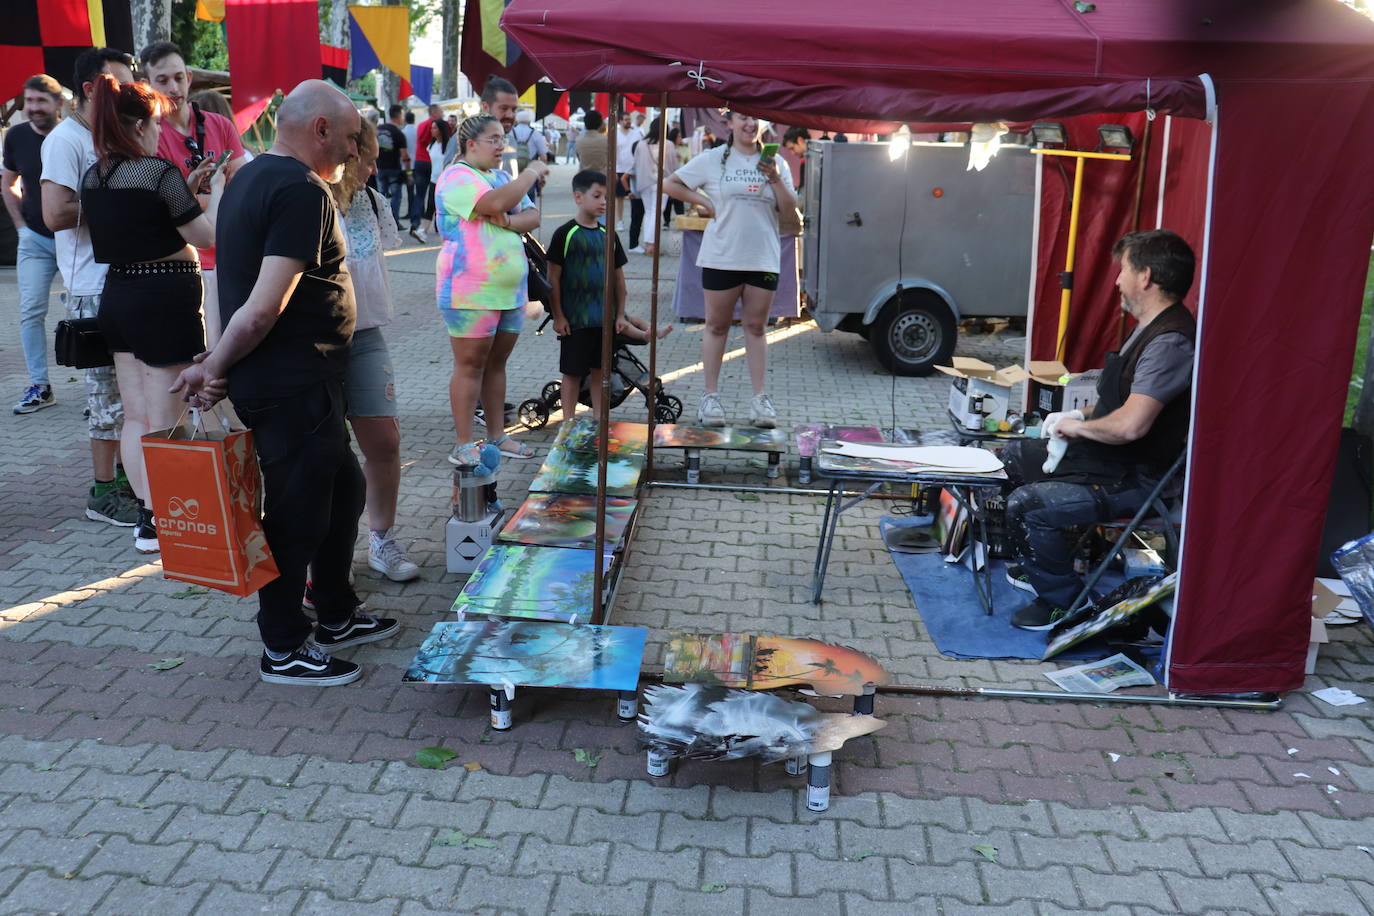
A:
{"x":603,"y":411}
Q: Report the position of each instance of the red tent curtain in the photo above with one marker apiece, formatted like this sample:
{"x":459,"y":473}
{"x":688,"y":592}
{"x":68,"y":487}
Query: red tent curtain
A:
{"x":257,"y":31}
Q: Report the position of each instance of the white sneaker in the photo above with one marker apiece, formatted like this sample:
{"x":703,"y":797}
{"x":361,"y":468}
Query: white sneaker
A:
{"x":709,"y":411}
{"x":761,"y":412}
{"x":388,"y":557}
{"x":638,"y":249}
{"x":620,"y":225}
{"x":418,"y":235}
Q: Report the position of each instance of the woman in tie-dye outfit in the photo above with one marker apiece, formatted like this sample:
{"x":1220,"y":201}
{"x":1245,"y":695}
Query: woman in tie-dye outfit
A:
{"x":481,"y":278}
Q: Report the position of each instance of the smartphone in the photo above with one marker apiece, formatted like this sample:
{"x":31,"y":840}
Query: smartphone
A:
{"x":223,"y":158}
{"x":770,"y":151}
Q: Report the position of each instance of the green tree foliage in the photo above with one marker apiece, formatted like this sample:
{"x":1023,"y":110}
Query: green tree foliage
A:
{"x":201,"y":42}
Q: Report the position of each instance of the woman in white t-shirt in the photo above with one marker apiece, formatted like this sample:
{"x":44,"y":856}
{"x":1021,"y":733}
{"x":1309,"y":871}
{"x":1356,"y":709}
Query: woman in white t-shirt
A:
{"x":740,"y":254}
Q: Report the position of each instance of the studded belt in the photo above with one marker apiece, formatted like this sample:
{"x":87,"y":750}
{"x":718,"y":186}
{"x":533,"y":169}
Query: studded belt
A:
{"x":147,"y":268}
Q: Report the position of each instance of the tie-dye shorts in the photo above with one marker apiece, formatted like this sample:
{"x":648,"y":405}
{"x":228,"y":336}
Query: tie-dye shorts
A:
{"x":482,"y":322}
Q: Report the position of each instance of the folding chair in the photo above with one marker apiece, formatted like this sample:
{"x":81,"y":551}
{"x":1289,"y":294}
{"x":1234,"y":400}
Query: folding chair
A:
{"x":1153,"y":514}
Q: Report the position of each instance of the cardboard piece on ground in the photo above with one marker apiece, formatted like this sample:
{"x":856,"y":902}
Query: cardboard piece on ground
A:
{"x":978,"y":389}
{"x":1324,"y":601}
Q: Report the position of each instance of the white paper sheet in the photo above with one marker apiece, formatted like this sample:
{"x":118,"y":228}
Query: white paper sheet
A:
{"x":943,"y":457}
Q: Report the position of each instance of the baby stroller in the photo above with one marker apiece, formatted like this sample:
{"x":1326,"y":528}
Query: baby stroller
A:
{"x":628,"y":375}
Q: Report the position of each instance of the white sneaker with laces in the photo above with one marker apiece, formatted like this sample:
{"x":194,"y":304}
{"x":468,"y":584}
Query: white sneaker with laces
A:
{"x":761,"y":412}
{"x":418,"y":235}
{"x":388,"y":557}
{"x":709,"y":411}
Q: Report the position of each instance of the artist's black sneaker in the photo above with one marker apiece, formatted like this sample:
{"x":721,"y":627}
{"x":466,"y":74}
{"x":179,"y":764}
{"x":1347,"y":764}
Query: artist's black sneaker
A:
{"x":1016,"y":575}
{"x":363,"y":628}
{"x":308,"y":666}
{"x":1038,"y":615}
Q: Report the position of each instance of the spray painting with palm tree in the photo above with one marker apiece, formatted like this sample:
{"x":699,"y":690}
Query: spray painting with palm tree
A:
{"x":567,"y":520}
{"x":541,"y":583}
{"x":529,"y":654}
{"x":764,"y":662}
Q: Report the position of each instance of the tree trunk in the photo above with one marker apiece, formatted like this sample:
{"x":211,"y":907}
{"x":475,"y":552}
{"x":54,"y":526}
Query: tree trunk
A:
{"x":452,"y":42}
{"x":152,"y":21}
{"x":1363,"y":420}
{"x":334,"y":23}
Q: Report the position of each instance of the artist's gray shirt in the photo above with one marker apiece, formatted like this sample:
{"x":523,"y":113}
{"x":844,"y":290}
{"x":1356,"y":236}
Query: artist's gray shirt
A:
{"x":1165,"y":368}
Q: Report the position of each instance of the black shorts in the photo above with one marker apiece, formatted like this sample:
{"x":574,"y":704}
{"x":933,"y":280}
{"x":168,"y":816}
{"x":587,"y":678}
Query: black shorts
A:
{"x":153,"y":311}
{"x":580,"y":352}
{"x":713,"y":279}
{"x":620,"y":185}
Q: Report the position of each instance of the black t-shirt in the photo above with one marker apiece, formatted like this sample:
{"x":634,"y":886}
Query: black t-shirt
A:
{"x":581,"y":252}
{"x":133,"y":207}
{"x":277,"y":206}
{"x":391,"y":142}
{"x":21,"y":155}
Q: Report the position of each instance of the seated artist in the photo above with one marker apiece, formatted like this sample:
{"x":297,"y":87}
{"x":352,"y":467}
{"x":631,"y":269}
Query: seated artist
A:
{"x":1115,"y":456}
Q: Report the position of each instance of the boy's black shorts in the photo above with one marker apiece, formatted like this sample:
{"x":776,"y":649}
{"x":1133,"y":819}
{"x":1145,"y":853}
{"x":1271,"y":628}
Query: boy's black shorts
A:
{"x":580,"y":352}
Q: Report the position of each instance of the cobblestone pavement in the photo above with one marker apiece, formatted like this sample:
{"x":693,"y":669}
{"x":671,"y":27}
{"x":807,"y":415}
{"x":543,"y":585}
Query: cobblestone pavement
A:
{"x":129,"y":789}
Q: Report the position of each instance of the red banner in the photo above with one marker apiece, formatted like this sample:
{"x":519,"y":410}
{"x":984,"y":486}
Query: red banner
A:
{"x":258,"y":32}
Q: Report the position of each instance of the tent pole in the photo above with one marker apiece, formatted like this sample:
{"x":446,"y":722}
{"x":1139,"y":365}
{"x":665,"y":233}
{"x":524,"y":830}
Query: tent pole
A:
{"x":653,"y":285}
{"x":1066,"y":278}
{"x":1135,"y":212}
{"x":603,"y":411}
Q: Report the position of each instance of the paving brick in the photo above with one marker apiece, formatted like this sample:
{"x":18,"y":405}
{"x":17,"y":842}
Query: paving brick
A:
{"x":911,"y":880}
{"x":1313,"y":864}
{"x":297,"y":870}
{"x":1084,"y":851}
{"x":320,"y":903}
{"x":868,"y":877}
{"x":693,"y":802}
{"x":1173,"y":854}
{"x":32,"y":848}
{"x":1235,"y":892}
{"x":21,"y":779}
{"x":338,"y":802}
{"x":224,"y":899}
{"x":276,"y":832}
{"x":227,"y":831}
{"x":407,"y":846}
{"x":1099,"y":891}
{"x":576,"y":896}
{"x":37,"y":891}
{"x":640,"y":830}
{"x":152,"y":863}
{"x":727,"y":835}
{"x":629,"y":864}
{"x":773,"y":872}
{"x":51,"y":817}
{"x":388,"y":880}
{"x":140,"y":824}
{"x":191,"y":764}
{"x":530,"y":894}
{"x":1051,"y":883}
{"x":1292,"y":897}
{"x":133,"y":895}
{"x":207,"y":863}
{"x":587,"y":861}
{"x":1284,"y":825}
{"x":670,"y":900}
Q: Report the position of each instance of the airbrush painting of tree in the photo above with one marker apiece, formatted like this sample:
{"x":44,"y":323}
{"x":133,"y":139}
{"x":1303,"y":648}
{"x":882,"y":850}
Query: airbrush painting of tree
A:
{"x":576,"y":472}
{"x":530,"y":654}
{"x":566,"y":520}
{"x":579,"y":435}
{"x":731,"y":437}
{"x":541,"y":583}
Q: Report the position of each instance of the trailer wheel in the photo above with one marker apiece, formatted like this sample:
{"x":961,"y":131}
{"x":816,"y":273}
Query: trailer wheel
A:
{"x":913,"y":333}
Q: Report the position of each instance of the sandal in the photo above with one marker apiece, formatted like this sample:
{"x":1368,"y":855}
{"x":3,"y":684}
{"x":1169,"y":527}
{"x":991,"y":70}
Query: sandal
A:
{"x":468,"y":455}
{"x":513,"y":449}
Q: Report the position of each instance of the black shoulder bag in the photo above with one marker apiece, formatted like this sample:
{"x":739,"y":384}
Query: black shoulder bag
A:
{"x":79,"y":343}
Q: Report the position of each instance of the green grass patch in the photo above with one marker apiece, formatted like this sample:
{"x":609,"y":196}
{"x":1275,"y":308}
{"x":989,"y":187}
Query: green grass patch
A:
{"x":1352,"y":396}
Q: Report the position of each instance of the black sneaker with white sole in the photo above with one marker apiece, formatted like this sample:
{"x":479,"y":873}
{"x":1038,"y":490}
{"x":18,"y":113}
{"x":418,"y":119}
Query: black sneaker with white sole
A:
{"x":309,"y":666}
{"x":1016,"y":575}
{"x":1038,"y":615}
{"x":363,"y":628}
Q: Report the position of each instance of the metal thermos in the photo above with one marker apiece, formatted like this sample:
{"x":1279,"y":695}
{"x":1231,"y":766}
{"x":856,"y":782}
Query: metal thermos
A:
{"x":469,"y":496}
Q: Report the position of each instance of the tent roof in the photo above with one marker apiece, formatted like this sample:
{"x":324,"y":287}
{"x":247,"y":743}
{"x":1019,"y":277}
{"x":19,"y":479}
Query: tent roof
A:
{"x":940,"y":60}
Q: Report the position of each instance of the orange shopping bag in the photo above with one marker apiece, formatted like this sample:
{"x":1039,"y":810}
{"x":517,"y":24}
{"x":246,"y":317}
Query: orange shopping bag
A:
{"x":205,"y":491}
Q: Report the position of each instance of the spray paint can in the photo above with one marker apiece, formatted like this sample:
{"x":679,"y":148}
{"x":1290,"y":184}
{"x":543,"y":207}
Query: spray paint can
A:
{"x":657,"y":764}
{"x":500,"y":710}
{"x":863,"y":704}
{"x":796,"y":766}
{"x":627,"y":706}
{"x":818,"y":783}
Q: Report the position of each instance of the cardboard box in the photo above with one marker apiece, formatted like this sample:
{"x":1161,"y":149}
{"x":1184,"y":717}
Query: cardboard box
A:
{"x":978,"y":390}
{"x":1045,"y":392}
{"x":1324,"y":601}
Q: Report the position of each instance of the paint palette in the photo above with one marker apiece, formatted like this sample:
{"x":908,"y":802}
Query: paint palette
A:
{"x":567,"y":471}
{"x":567,"y":520}
{"x":539,"y":583}
{"x":579,"y":435}
{"x":526,"y":653}
{"x":738,"y":438}
{"x":765,"y":662}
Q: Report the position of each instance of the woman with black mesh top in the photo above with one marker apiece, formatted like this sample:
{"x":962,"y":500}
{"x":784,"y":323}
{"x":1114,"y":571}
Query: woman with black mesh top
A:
{"x":145,"y":223}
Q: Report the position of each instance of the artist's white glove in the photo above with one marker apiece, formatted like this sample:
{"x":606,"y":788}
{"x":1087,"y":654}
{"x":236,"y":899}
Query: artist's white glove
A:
{"x":1056,"y":449}
{"x":1047,"y":428}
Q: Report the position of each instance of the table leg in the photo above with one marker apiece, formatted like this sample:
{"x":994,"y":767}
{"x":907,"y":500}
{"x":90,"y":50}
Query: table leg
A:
{"x":823,"y":545}
{"x":982,"y":582}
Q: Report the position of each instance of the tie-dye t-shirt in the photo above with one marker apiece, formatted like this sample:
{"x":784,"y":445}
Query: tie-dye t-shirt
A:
{"x":481,"y":265}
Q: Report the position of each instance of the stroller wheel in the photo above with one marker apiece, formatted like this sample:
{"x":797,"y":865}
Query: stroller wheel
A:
{"x":552,"y":393}
{"x":668,"y":409}
{"x":533,"y":414}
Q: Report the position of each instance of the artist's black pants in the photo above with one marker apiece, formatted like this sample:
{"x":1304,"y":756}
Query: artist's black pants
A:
{"x":1040,"y":508}
{"x":313,"y":494}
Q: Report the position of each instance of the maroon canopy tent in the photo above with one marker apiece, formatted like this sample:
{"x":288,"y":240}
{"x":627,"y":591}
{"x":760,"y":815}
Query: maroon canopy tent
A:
{"x":1270,"y":101}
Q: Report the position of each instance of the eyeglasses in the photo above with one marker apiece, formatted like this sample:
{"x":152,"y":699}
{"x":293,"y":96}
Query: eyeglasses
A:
{"x":494,"y":141}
